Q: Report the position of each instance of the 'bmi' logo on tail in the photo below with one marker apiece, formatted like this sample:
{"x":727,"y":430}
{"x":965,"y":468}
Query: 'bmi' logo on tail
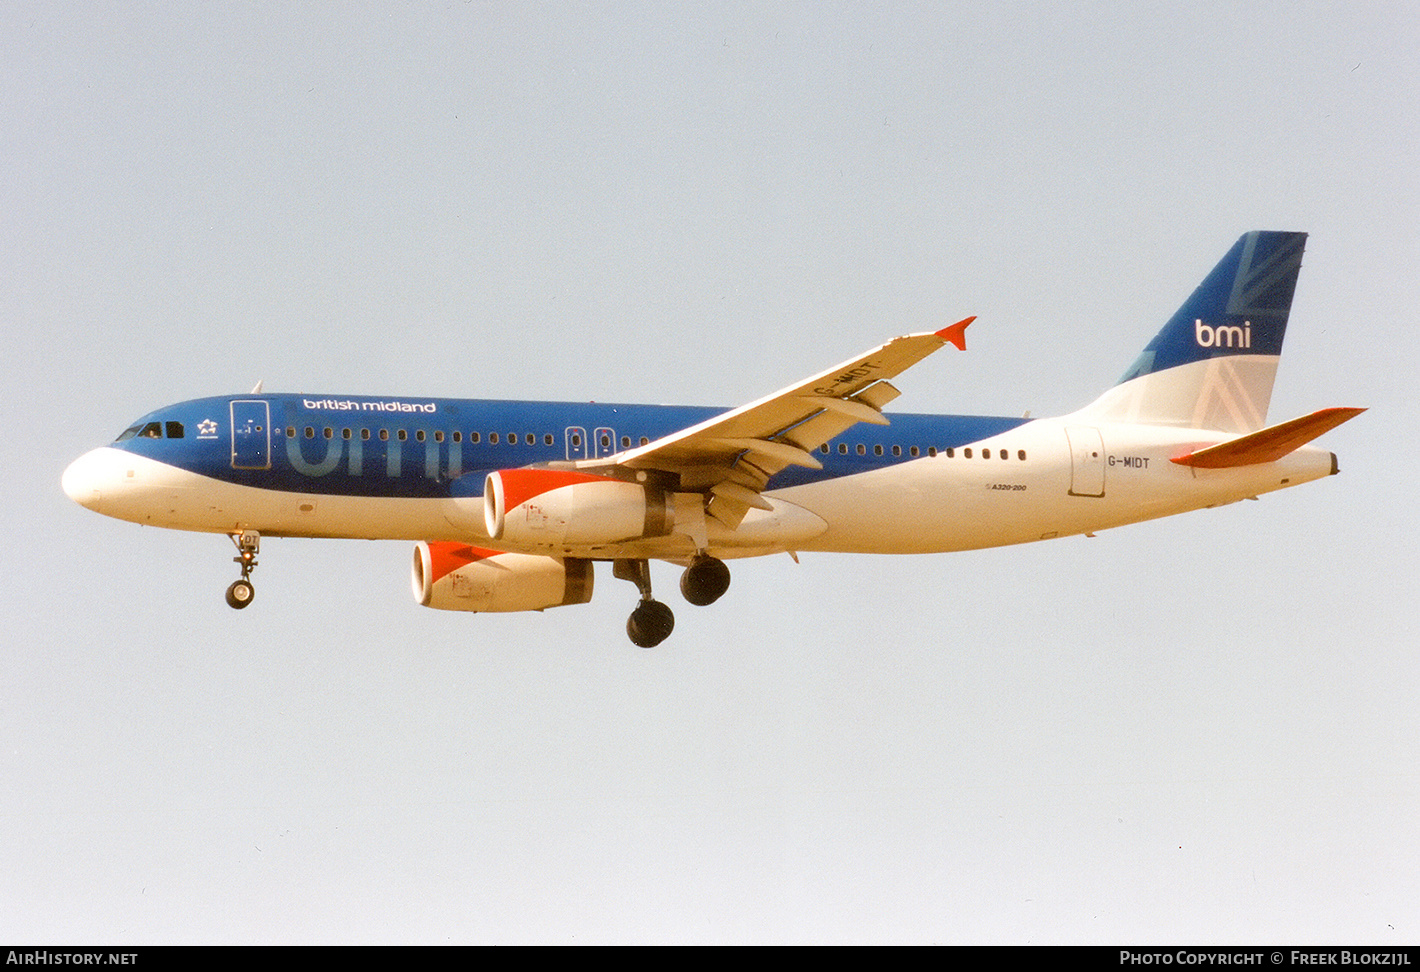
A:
{"x":1216,"y":375}
{"x":1222,"y":336}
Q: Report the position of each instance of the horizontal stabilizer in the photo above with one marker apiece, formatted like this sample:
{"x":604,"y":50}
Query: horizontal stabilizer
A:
{"x":1269,"y":444}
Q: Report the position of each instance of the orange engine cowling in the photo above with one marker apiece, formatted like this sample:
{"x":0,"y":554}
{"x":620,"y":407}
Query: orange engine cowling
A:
{"x":457,"y":577}
{"x":555,"y":507}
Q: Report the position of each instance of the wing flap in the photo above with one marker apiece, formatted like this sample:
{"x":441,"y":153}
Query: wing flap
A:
{"x":851,"y":408}
{"x":732,"y":492}
{"x":1269,"y":444}
{"x":878,"y":394}
{"x":775,"y":451}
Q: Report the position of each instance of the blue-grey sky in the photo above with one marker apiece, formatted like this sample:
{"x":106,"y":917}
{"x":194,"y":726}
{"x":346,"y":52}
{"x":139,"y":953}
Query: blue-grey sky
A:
{"x":1196,"y":730}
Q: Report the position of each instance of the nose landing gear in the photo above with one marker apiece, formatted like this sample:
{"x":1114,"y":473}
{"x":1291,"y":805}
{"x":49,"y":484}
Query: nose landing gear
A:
{"x":248,"y":544}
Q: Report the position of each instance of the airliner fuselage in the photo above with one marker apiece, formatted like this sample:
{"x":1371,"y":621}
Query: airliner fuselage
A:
{"x":511,"y":502}
{"x":293,"y":465}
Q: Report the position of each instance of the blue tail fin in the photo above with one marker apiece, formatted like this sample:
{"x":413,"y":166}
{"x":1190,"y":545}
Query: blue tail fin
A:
{"x":1213,"y":364}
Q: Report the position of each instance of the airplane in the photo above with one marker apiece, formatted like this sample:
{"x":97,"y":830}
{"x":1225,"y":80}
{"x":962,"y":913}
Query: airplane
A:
{"x":511,"y":503}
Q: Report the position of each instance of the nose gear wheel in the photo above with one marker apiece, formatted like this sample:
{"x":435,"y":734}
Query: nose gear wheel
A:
{"x":248,"y":544}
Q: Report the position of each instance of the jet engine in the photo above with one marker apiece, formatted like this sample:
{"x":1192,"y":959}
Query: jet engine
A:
{"x":456,"y":577}
{"x":554,"y":507}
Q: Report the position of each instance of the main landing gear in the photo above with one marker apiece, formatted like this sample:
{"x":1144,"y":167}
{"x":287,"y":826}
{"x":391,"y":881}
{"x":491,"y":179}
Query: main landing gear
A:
{"x":652,"y":622}
{"x":703,"y":582}
{"x":248,"y":544}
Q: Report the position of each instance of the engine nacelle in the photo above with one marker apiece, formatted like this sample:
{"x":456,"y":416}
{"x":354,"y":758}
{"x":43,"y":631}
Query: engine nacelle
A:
{"x":456,"y":577}
{"x":555,"y":507}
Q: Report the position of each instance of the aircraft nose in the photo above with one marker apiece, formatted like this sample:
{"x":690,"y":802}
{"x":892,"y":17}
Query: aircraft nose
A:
{"x":87,"y":478}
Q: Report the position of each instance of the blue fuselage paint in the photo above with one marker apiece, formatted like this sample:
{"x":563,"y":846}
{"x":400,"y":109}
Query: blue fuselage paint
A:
{"x":439,"y":448}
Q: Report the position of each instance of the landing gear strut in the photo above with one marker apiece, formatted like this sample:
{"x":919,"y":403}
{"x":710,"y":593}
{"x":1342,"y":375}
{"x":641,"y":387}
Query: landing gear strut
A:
{"x":248,"y":544}
{"x":651,"y":623}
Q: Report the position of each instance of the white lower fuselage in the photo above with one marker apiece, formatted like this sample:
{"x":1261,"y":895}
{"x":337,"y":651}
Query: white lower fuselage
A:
{"x":1057,"y":478}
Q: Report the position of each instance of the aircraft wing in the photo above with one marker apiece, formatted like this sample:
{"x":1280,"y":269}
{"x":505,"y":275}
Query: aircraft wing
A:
{"x":733,"y":455}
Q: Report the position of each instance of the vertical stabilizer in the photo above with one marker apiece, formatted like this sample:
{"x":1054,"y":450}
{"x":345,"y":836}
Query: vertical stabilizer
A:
{"x":1213,"y":364}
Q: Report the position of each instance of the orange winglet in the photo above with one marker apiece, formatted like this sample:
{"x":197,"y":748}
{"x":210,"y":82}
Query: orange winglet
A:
{"x":1269,"y":444}
{"x":956,"y":334}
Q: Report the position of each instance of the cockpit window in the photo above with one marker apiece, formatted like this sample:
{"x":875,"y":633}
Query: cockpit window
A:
{"x":152,"y":430}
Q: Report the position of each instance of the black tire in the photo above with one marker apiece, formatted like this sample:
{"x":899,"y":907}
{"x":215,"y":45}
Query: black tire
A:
{"x":705,"y":581}
{"x":240,"y":594}
{"x":650,"y":624}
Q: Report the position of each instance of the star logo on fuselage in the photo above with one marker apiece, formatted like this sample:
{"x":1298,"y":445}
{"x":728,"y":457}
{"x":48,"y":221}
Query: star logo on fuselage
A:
{"x":207,"y":429}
